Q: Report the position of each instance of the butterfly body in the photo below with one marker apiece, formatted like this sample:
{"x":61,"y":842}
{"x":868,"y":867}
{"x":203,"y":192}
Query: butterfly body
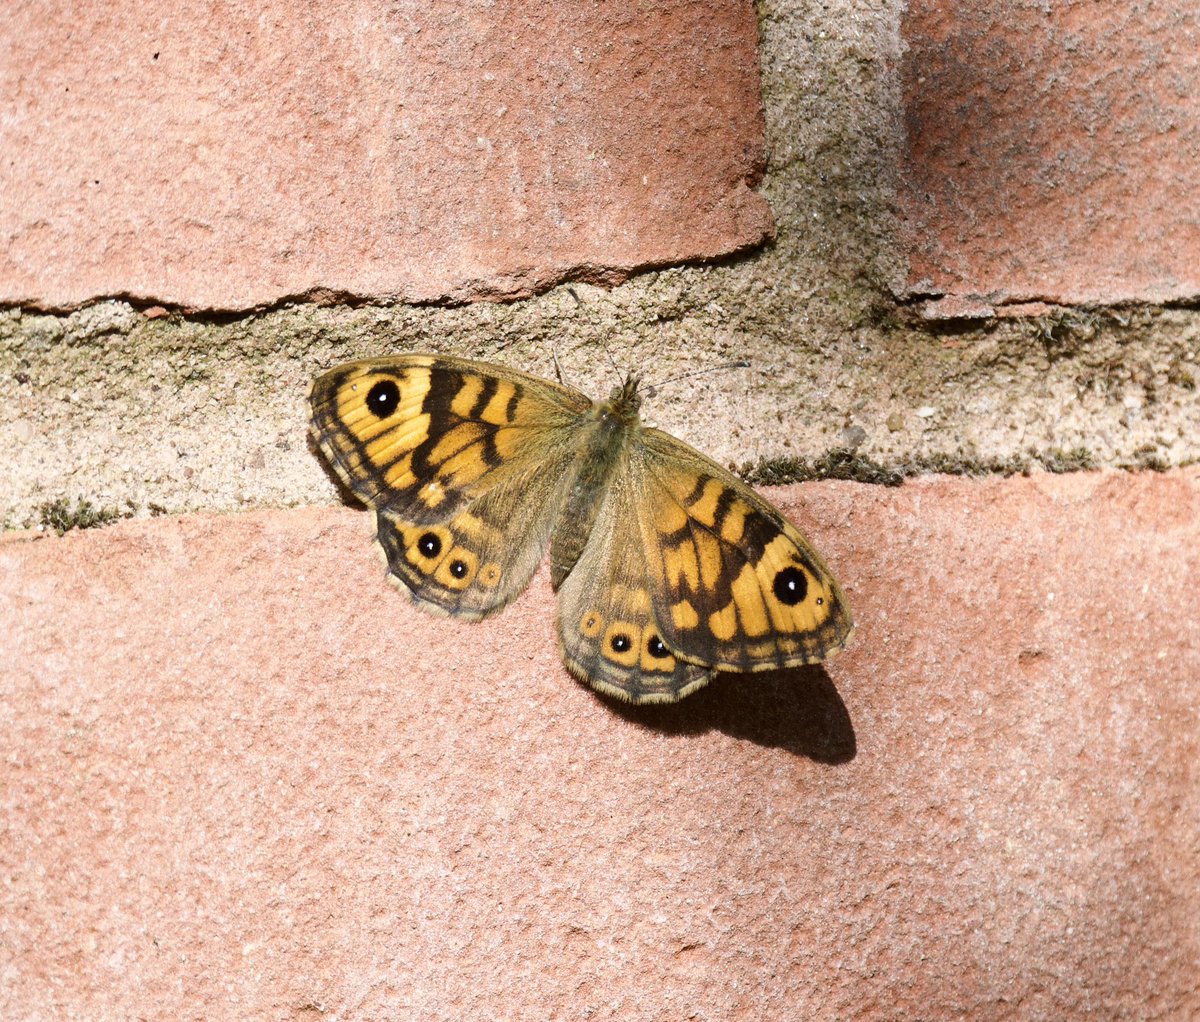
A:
{"x":667,"y":567}
{"x":605,"y":430}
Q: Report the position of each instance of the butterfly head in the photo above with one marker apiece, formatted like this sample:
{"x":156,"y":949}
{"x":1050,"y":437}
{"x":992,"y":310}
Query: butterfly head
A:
{"x":624,"y":401}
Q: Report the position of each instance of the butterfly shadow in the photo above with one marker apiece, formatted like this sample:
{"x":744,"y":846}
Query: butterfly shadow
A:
{"x":797,"y":709}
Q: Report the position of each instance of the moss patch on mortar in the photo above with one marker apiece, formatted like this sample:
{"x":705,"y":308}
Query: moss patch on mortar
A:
{"x":841,"y":463}
{"x":62,"y":516}
{"x":838,"y":463}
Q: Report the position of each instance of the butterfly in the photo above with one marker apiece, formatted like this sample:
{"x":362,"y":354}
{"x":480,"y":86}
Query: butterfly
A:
{"x":668,"y":568}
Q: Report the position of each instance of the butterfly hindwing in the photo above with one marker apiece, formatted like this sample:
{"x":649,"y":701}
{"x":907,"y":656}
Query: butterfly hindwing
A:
{"x":608,"y":632}
{"x":483,"y":557}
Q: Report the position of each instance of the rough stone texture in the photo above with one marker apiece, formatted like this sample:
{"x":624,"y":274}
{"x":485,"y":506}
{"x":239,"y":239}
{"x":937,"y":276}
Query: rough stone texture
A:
{"x":1052,"y":151}
{"x":242,"y":777}
{"x":138,"y":415}
{"x":229,"y":156}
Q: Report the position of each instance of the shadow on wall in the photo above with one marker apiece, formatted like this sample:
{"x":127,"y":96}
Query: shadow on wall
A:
{"x":797,"y":710}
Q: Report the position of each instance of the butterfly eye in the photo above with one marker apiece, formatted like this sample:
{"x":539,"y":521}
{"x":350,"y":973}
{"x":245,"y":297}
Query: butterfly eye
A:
{"x":790,"y":586}
{"x":383,"y":398}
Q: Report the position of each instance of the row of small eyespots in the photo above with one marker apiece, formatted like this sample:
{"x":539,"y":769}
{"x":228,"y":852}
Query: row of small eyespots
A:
{"x":620,"y":638}
{"x":429,"y":546}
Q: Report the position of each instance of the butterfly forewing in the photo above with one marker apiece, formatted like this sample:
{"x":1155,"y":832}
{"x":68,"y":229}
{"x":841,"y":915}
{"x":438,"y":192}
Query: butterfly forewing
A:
{"x":734,"y":584}
{"x":422,"y":433}
{"x":463,"y":463}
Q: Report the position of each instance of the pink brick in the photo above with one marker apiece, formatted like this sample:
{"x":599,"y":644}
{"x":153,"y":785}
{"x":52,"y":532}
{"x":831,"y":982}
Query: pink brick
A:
{"x":230,"y":155}
{"x":243,"y":778}
{"x":1053,"y":150}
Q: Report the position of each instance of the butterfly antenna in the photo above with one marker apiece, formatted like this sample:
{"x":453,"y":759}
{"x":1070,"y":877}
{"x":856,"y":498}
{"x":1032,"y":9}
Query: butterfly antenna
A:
{"x":557,"y":367}
{"x":740,"y":363}
{"x":612,"y":361}
{"x":607,"y":354}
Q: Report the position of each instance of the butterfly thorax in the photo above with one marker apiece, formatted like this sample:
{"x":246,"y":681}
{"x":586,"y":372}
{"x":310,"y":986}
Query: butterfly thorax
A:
{"x":609,"y":426}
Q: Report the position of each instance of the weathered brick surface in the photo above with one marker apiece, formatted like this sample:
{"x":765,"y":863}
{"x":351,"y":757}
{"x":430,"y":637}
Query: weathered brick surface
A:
{"x":243,"y":777}
{"x":1052,"y":151}
{"x":229,"y":155}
